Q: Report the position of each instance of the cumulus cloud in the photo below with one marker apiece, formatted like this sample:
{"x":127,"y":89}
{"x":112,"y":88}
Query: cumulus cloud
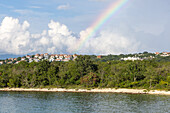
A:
{"x":63,"y":7}
{"x":107,"y":42}
{"x":15,"y":38}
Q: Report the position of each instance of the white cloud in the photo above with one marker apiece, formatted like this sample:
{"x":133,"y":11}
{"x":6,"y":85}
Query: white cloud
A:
{"x":15,"y":38}
{"x":31,"y":12}
{"x":22,"y":11}
{"x":107,"y":42}
{"x":63,"y":7}
{"x":35,"y":7}
{"x":57,"y":28}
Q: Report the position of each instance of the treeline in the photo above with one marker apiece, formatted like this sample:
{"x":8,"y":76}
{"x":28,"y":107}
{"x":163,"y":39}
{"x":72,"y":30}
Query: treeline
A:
{"x":87,"y":73}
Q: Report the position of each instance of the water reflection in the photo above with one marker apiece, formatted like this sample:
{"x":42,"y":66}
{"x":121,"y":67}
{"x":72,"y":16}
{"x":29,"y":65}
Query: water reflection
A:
{"x":52,"y":102}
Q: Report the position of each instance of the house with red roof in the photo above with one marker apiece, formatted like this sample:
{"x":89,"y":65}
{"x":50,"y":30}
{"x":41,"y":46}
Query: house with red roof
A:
{"x":23,"y":58}
{"x":65,"y":60}
{"x":58,"y":60}
{"x":1,"y":62}
{"x":37,"y":55}
{"x":28,"y":56}
{"x":165,"y":54}
{"x":99,"y":56}
{"x":61,"y":56}
{"x":68,"y":57}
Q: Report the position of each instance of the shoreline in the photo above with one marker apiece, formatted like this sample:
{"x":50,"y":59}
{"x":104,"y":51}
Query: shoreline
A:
{"x":96,"y":90}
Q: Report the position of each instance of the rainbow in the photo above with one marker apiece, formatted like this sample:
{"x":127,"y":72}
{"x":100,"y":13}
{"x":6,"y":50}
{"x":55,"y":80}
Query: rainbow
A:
{"x":103,"y":18}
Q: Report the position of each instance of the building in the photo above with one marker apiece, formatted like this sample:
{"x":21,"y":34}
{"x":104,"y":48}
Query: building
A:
{"x":157,"y":53}
{"x":11,"y":59}
{"x":23,"y":58}
{"x":15,"y":58}
{"x":58,"y":60}
{"x":131,"y":58}
{"x":9,"y":62}
{"x":46,"y":56}
{"x":61,"y":56}
{"x":51,"y":59}
{"x":37,"y":55}
{"x":65,"y":55}
{"x":17,"y":62}
{"x":28,"y":56}
{"x":36,"y":60}
{"x":164,"y":54}
{"x":66,"y":60}
{"x":56,"y":56}
{"x":99,"y":57}
{"x":1,"y":62}
{"x":52,"y":56}
{"x":68,"y":57}
{"x":75,"y":56}
{"x":40,"y":57}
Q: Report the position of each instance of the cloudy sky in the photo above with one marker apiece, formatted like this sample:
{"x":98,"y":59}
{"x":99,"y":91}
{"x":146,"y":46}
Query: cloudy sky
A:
{"x":61,"y":26}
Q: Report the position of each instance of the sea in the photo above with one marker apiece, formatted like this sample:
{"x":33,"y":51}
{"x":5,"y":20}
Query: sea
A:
{"x":67,"y":102}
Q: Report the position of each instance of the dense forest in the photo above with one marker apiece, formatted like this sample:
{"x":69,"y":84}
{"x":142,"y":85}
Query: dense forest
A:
{"x":85,"y":72}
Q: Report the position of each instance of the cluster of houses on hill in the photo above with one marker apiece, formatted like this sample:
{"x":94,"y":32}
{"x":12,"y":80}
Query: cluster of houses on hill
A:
{"x":137,"y":58}
{"x":40,"y":57}
{"x":164,"y":54}
{"x":65,"y":57}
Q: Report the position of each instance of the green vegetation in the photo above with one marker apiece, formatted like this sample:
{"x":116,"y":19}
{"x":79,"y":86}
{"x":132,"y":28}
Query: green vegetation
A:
{"x":87,"y":72}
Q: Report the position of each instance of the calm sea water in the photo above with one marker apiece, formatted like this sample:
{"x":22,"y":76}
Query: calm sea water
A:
{"x":61,"y":102}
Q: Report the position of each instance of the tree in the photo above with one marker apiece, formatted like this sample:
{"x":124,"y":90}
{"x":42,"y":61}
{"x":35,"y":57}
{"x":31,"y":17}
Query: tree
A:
{"x":19,"y":58}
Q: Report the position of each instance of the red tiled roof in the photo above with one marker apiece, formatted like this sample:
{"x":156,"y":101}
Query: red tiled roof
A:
{"x":156,"y":53}
{"x":67,"y":56}
{"x":99,"y":56}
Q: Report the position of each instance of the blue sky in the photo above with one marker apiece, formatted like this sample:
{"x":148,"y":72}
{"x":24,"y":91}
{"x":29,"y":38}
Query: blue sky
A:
{"x":140,"y":25}
{"x":40,"y":12}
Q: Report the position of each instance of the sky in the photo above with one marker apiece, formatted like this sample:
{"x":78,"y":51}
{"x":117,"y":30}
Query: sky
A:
{"x":61,"y":26}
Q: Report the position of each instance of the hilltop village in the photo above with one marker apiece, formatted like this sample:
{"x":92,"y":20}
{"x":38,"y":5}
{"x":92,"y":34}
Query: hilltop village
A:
{"x":40,"y":57}
{"x":145,"y":57}
{"x":66,"y":57}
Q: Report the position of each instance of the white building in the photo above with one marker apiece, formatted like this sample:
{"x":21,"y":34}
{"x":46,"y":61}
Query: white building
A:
{"x":51,"y":59}
{"x":131,"y":58}
{"x":36,"y":60}
{"x":1,"y":62}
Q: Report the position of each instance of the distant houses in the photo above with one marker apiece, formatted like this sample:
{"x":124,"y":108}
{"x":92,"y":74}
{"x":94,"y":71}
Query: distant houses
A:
{"x":164,"y":54}
{"x":66,"y":57}
{"x":131,"y":58}
{"x":40,"y":57}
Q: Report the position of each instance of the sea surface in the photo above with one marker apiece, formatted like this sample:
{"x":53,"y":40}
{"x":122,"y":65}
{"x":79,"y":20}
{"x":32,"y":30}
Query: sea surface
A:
{"x":64,"y":102}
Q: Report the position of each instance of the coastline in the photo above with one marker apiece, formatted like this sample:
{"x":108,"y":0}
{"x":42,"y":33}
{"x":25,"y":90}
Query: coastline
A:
{"x":96,"y":90}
